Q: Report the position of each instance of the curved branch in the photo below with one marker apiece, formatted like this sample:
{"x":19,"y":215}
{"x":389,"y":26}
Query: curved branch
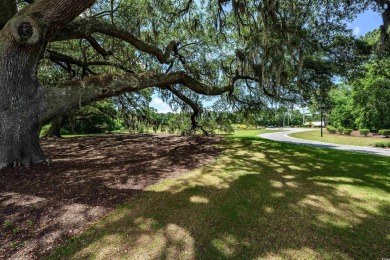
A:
{"x":68,"y":60}
{"x":34,"y":24}
{"x":94,"y":43}
{"x":184,"y":10}
{"x":201,"y":88}
{"x":193,"y":105}
{"x":107,"y":63}
{"x":55,"y":14}
{"x":84,"y":28}
{"x":66,"y":96}
{"x":255,"y":79}
{"x":59,"y":57}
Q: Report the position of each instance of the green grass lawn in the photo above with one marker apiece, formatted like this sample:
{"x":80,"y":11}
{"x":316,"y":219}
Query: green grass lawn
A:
{"x":315,"y":135}
{"x":254,"y":132}
{"x":259,"y":131}
{"x":260,"y":199}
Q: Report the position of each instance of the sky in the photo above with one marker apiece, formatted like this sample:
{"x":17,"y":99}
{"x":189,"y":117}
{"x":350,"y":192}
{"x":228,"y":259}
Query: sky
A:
{"x":363,"y":23}
{"x":160,"y":105}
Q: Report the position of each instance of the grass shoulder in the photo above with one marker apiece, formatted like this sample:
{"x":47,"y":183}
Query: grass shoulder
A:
{"x":335,"y":138}
{"x":253,"y":133}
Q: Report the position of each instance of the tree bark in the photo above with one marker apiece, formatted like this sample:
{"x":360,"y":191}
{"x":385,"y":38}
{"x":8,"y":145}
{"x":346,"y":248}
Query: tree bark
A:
{"x":67,"y":96}
{"x":55,"y":127}
{"x":7,"y":10}
{"x":22,"y":101}
{"x":21,"y":96}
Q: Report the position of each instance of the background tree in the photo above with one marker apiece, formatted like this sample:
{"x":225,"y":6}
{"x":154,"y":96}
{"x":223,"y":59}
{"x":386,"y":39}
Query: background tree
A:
{"x":362,"y":99}
{"x":343,"y":113}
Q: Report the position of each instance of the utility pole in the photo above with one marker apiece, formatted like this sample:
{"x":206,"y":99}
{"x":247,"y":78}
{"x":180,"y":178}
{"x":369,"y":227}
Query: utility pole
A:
{"x":321,"y":120}
{"x":288,"y":119}
{"x":322,"y":107}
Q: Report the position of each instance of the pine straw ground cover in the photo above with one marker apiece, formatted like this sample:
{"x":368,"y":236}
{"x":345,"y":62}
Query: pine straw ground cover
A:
{"x":42,"y":206}
{"x":260,"y":199}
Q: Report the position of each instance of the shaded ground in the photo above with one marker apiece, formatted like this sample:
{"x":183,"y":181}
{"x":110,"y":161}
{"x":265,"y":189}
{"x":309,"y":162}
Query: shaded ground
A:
{"x":42,"y":206}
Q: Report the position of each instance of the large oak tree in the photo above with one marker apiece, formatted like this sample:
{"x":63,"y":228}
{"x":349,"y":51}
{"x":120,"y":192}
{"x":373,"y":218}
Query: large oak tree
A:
{"x":255,"y":51}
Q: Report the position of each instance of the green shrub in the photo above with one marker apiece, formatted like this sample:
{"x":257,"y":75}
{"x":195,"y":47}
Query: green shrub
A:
{"x":44,"y":130}
{"x":385,"y":132}
{"x":141,"y":128}
{"x":381,"y":144}
{"x":348,"y":131}
{"x":340,"y":130}
{"x":331,"y":129}
{"x":66,"y":132}
{"x":364,"y":132}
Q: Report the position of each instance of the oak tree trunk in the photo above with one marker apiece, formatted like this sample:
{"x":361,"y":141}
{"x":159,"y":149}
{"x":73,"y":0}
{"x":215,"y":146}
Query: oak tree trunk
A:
{"x":21,"y":96}
{"x":55,"y":127}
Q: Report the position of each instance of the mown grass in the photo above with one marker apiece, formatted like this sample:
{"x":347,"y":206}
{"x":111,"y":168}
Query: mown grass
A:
{"x":259,"y":131}
{"x":315,"y":135}
{"x":254,"y":132}
{"x":260,"y":199}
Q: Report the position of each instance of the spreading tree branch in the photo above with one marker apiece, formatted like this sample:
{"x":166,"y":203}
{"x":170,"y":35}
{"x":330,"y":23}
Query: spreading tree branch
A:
{"x":59,"y":57}
{"x":55,"y":14}
{"x":195,"y":107}
{"x":34,"y":24}
{"x":84,"y":28}
{"x":184,"y":10}
{"x":94,"y":43}
{"x":66,"y":96}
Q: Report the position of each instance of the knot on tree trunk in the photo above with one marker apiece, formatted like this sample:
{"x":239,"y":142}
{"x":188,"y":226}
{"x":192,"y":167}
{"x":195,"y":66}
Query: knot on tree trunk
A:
{"x":26,"y":30}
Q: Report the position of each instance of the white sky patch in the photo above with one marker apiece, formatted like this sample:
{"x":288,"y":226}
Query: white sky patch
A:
{"x":160,"y":105}
{"x":356,"y":30}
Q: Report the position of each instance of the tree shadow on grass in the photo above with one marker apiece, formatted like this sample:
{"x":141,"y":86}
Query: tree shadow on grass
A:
{"x":42,"y":205}
{"x":261,"y":199}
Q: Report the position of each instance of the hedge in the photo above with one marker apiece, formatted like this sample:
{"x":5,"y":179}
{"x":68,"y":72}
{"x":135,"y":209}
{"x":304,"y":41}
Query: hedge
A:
{"x":347,"y":131}
{"x":364,"y":132}
{"x":382,"y":144}
{"x":331,"y":129}
{"x":385,"y":132}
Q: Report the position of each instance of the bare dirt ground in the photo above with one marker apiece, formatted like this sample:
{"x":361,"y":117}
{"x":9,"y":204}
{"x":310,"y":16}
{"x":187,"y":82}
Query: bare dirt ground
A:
{"x":357,"y":134}
{"x":42,"y":206}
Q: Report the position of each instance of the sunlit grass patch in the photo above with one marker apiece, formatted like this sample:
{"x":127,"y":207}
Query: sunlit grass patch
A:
{"x":315,"y":135}
{"x":260,"y":199}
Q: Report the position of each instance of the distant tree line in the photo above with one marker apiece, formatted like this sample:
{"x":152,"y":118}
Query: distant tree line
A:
{"x":362,"y":99}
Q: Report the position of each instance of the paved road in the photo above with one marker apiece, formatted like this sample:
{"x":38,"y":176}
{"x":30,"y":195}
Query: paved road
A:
{"x":283,"y":137}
